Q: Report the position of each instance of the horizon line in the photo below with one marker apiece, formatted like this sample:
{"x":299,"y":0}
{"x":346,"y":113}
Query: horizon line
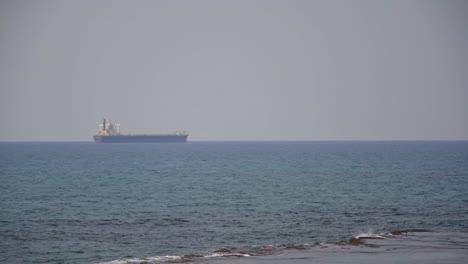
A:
{"x":253,"y":140}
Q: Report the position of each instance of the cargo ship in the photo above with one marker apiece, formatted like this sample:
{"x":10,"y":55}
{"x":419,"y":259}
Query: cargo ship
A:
{"x":110,"y":133}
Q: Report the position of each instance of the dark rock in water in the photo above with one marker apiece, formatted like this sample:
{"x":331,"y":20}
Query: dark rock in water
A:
{"x":293,"y":246}
{"x":341,"y":243}
{"x":355,"y":241}
{"x":262,"y":252}
{"x":401,"y":232}
{"x":191,"y":256}
{"x":222,"y":250}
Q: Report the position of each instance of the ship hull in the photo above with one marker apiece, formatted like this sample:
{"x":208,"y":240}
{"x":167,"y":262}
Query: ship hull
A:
{"x":141,"y":139}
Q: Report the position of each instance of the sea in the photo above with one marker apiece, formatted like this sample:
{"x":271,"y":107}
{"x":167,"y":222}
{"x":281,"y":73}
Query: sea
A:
{"x":81,"y":202}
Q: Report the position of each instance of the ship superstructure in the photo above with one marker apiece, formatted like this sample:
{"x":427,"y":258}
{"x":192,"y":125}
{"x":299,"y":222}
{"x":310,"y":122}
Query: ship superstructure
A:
{"x":108,"y":129}
{"x":110,"y":133}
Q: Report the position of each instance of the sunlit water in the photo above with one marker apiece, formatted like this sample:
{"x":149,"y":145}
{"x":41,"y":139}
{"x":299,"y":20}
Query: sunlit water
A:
{"x":87,"y":203}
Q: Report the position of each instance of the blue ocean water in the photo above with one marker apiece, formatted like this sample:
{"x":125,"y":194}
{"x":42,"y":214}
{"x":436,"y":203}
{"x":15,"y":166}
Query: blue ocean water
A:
{"x":90,"y":203}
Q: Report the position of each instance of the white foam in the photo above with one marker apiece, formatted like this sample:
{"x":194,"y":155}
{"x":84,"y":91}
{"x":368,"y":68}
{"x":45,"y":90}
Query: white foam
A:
{"x":370,"y":232}
{"x":364,"y":235}
{"x":156,"y":259}
{"x":164,"y":258}
{"x":218,"y":254}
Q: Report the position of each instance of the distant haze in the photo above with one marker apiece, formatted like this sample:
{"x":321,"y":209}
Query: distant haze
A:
{"x":235,"y":70}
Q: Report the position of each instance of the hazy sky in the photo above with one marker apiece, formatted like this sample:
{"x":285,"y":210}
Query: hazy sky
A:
{"x":235,"y":70}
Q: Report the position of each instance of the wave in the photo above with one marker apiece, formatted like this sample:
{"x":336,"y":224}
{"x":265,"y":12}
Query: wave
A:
{"x":157,"y":259}
{"x":362,"y":240}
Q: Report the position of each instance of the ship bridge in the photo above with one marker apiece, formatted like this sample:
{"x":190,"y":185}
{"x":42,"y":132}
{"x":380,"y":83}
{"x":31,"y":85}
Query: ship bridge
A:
{"x":108,"y":129}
